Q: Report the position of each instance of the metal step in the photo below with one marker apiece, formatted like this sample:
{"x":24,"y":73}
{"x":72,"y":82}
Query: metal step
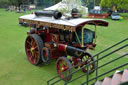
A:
{"x":98,"y":83}
{"x":125,"y":76}
{"x":106,"y":81}
{"x":116,"y":79}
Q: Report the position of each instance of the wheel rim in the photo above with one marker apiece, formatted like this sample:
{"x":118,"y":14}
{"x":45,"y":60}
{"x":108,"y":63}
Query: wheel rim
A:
{"x":62,"y":66}
{"x":32,"y":50}
{"x":86,"y":59}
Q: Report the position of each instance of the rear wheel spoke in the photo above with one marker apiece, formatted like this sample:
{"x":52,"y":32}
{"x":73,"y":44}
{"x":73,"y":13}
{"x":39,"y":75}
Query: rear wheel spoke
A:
{"x":28,"y":50}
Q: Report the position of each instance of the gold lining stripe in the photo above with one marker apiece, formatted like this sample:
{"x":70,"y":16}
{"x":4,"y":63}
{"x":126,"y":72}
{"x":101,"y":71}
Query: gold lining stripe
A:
{"x":82,"y":43}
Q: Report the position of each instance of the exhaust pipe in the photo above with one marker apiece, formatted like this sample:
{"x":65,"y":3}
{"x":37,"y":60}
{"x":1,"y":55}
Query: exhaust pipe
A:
{"x":49,"y":13}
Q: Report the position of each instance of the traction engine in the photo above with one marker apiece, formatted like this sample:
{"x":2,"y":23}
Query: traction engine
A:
{"x":64,"y":40}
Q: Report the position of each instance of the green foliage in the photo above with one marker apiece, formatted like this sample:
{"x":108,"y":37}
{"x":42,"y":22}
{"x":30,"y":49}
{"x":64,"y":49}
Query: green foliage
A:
{"x":119,"y":4}
{"x":3,"y":2}
{"x":14,"y":2}
{"x":56,"y":1}
{"x":97,"y":2}
{"x":86,"y":2}
{"x":124,"y":4}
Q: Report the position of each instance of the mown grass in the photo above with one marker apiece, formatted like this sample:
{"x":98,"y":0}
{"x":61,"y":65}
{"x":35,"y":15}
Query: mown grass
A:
{"x":15,"y":68}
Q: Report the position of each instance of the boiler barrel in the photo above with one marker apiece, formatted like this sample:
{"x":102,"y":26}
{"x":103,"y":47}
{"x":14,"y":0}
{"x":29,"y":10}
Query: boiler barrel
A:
{"x":49,"y":13}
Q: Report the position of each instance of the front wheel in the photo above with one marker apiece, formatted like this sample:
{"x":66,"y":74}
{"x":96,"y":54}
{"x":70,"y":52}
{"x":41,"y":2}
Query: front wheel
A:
{"x":86,"y":59}
{"x":64,"y":68}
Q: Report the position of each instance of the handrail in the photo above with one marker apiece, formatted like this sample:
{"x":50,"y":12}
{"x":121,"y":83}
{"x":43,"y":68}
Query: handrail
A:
{"x":111,"y":47}
{"x":92,"y":63}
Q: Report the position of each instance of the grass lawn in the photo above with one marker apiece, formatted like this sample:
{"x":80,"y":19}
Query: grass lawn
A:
{"x":15,"y":68}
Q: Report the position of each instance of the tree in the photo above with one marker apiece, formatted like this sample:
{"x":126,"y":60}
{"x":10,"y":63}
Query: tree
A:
{"x":117,"y":4}
{"x":97,"y":2}
{"x":56,"y":1}
{"x":124,"y":4}
{"x":86,"y":2}
{"x":67,"y":5}
{"x":3,"y":3}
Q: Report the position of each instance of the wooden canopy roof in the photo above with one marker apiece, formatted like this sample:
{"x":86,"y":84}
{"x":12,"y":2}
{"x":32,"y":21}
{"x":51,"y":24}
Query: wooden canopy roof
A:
{"x":62,"y":23}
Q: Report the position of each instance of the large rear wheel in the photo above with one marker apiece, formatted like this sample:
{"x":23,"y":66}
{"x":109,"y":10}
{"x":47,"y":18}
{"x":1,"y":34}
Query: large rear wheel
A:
{"x":64,"y":68}
{"x":33,"y":48}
